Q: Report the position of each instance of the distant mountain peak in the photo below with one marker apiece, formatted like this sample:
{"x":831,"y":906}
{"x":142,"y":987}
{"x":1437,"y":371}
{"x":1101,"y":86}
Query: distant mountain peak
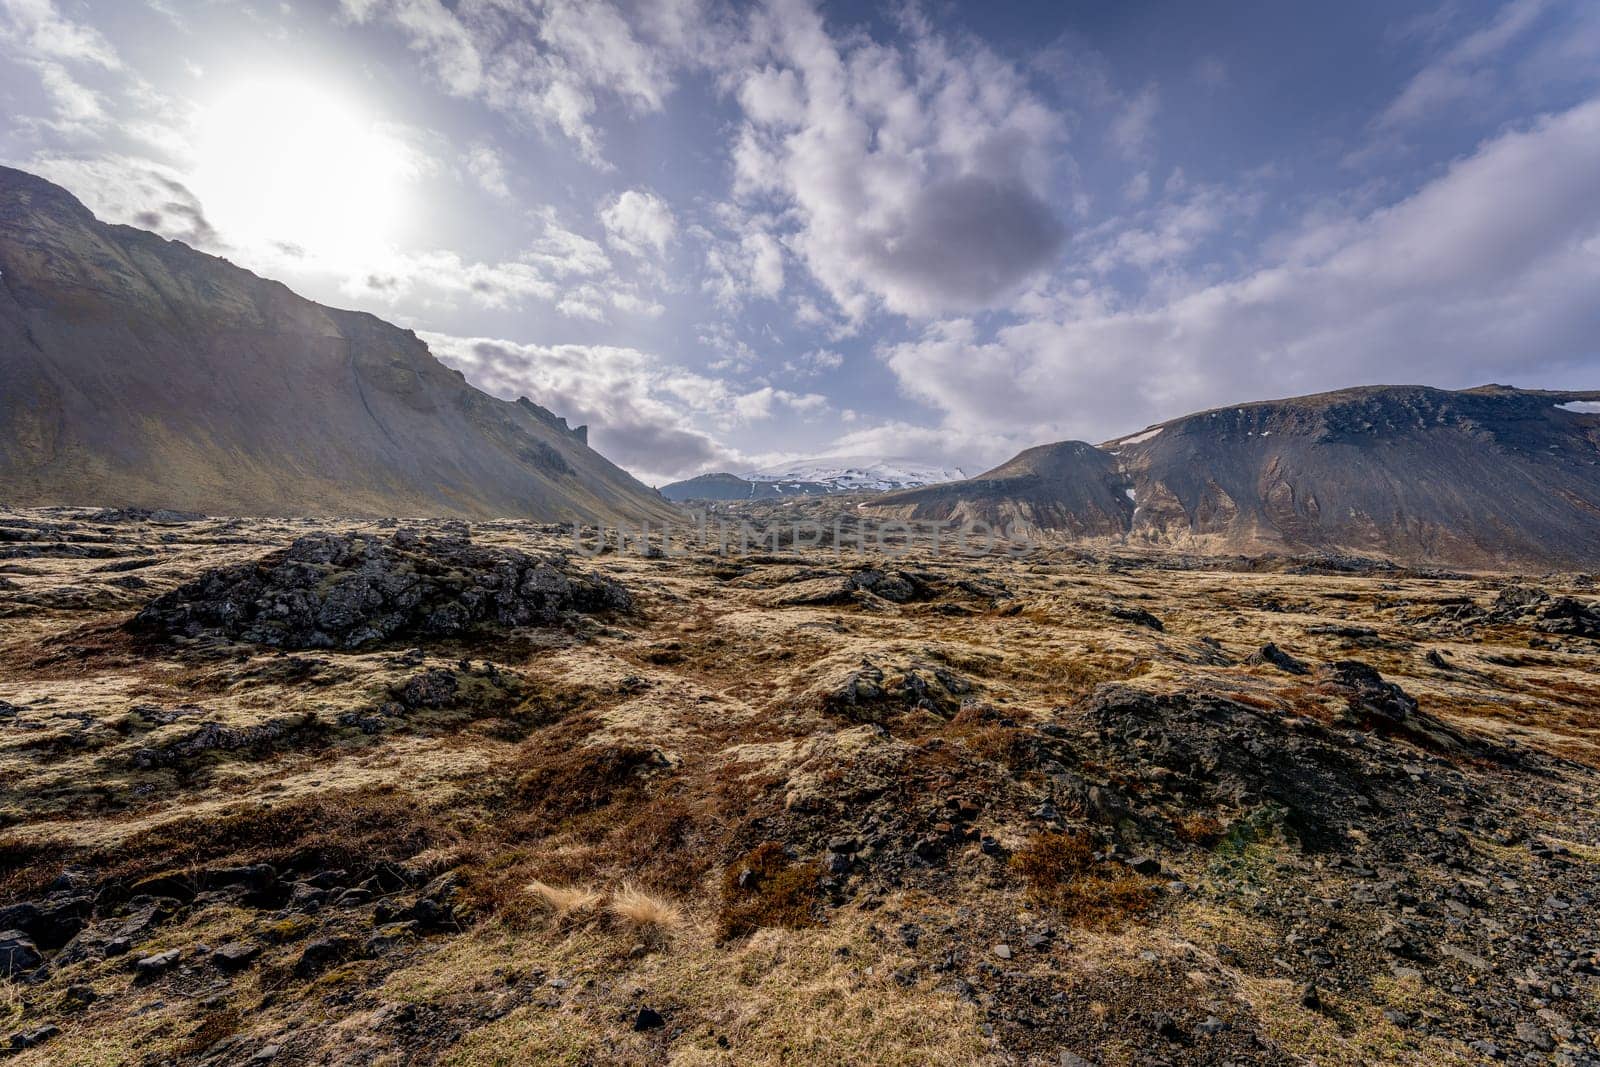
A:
{"x":857,"y":473}
{"x":813,"y":477}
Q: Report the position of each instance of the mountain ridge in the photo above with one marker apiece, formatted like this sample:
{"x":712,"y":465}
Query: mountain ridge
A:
{"x":137,"y":371}
{"x":1487,"y":477}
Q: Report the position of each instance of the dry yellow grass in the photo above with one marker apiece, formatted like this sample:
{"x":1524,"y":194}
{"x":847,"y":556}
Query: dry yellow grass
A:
{"x":630,"y":794}
{"x":565,"y":902}
{"x":645,"y":910}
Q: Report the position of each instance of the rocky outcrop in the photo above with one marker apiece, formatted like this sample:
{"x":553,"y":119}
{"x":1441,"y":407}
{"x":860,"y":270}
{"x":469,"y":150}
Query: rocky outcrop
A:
{"x":136,"y":371}
{"x":345,"y":591}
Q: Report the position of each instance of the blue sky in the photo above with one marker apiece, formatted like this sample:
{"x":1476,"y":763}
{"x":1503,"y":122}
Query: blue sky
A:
{"x":729,"y":234}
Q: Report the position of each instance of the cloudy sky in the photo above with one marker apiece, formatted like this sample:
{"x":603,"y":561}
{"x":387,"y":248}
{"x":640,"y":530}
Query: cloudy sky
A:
{"x":727,"y":234}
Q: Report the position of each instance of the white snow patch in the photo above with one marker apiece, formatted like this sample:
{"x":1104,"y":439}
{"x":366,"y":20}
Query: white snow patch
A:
{"x":1138,"y":438}
{"x":1132,"y":495}
{"x":856,"y":473}
{"x":1581,"y":407}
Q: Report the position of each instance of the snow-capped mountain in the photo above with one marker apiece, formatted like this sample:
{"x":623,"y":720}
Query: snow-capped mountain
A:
{"x":814,"y":477}
{"x":855,"y":474}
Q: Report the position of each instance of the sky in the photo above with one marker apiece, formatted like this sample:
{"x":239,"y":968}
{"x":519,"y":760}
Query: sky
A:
{"x":727,"y":235}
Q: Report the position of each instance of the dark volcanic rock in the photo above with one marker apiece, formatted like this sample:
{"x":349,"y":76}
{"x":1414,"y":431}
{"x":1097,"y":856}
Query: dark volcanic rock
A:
{"x":344,"y":591}
{"x":1375,"y":704}
{"x":17,"y":954}
{"x":1235,"y":756}
{"x":49,"y":923}
{"x":1270,"y":655}
{"x":1563,"y":615}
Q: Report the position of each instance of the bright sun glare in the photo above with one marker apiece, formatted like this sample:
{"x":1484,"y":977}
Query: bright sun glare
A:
{"x":287,"y":162}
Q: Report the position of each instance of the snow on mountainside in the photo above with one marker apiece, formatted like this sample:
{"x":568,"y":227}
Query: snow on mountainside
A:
{"x":845,"y":474}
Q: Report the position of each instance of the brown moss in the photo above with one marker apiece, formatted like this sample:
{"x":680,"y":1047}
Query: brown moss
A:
{"x":1198,"y":828}
{"x":213,"y":1028}
{"x":767,"y":888}
{"x":28,"y":867}
{"x":1062,"y":874}
{"x":558,"y":776}
{"x":357,"y":830}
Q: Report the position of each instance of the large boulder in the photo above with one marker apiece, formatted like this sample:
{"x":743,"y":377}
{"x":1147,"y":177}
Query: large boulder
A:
{"x":348,"y":590}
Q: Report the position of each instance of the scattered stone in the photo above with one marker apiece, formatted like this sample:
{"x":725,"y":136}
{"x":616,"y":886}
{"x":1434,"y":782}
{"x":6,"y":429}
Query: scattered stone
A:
{"x":1002,"y":951}
{"x":322,"y":952}
{"x":81,"y":994}
{"x":18,"y":954}
{"x":1164,"y":1026}
{"x":49,"y":924}
{"x":1139,"y":617}
{"x":33,"y":1038}
{"x":1376,"y":704}
{"x":1531,"y":1033}
{"x":1270,"y":655}
{"x":151,"y":967}
{"x":235,"y":955}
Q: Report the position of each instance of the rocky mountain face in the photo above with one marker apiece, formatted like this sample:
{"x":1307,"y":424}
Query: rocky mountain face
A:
{"x":1069,"y":486}
{"x":816,"y":477}
{"x":724,"y":486}
{"x":1485,"y":477}
{"x":136,"y":371}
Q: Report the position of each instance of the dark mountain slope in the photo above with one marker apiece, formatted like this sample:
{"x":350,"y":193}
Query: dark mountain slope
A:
{"x":137,"y":371}
{"x":1485,"y":477}
{"x":732,"y":487}
{"x":1068,"y":486}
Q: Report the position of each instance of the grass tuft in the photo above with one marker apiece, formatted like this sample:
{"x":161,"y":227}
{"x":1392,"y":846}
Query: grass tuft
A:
{"x":652,"y":913}
{"x":566,"y":902}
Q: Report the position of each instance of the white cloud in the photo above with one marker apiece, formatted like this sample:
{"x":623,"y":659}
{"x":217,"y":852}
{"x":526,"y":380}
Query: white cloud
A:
{"x":434,"y":32}
{"x":551,"y":62}
{"x":77,"y":107}
{"x":1130,"y":131}
{"x":565,"y":253}
{"x":638,"y":222}
{"x":738,"y":270}
{"x":814,"y":363}
{"x":760,"y":403}
{"x":1488,"y":272}
{"x":1168,"y":231}
{"x":38,"y":28}
{"x":640,"y":411}
{"x":907,"y":175}
{"x":488,"y":168}
{"x":131,"y":190}
{"x":1462,"y":71}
